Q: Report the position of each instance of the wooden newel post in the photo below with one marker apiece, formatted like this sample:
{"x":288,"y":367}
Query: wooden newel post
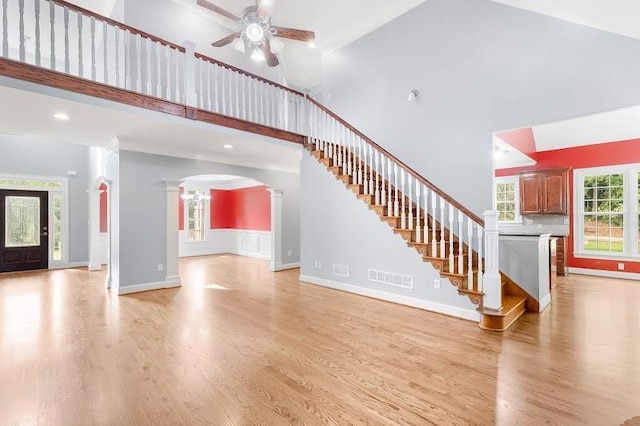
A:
{"x":492,"y":282}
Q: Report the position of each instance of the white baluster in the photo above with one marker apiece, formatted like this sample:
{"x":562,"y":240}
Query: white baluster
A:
{"x":403,"y":216}
{"x":80,"y":58}
{"x":389,"y":192}
{"x":377,"y":186}
{"x":67,"y":63}
{"x":52,"y":36}
{"x":433,"y":225}
{"x":410,"y":214}
{"x":117,"y":54}
{"x":173,"y":72}
{"x":93,"y":48}
{"x":382,"y":198}
{"x":480,"y":260}
{"x":238,"y":112}
{"x":425,"y":238}
{"x":360,"y":172}
{"x":223,"y":90}
{"x":371,"y":191}
{"x":245,"y":81}
{"x":105,"y":53}
{"x":215,"y":94}
{"x":5,"y":28}
{"x":21,"y":28}
{"x":442,"y":232}
{"x":345,"y":151}
{"x":396,"y":205}
{"x":418,"y":227}
{"x":451,"y":226}
{"x":470,"y":259}
{"x":36,"y":4}
{"x":460,"y":244}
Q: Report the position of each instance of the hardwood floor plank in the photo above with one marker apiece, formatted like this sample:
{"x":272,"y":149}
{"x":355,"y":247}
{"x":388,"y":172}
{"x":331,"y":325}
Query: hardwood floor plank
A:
{"x":239,"y":345}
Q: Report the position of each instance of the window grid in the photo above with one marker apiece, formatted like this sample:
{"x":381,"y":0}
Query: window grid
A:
{"x":196,"y":216}
{"x":603,"y":213}
{"x":506,"y":201}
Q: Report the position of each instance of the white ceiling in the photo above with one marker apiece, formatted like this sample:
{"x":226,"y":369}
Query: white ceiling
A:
{"x":96,"y":122}
{"x":616,"y":16}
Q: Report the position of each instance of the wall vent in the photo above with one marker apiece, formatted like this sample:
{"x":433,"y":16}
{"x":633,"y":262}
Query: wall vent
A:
{"x":390,"y":278}
{"x":341,"y":270}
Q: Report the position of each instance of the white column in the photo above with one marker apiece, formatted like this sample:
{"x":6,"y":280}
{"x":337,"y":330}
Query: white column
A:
{"x":276,"y":229}
{"x":172,"y":275}
{"x":491,"y":280}
{"x":94,"y":229}
{"x":191,"y":97}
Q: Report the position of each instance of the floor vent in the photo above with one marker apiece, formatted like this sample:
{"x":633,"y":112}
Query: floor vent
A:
{"x":389,"y":278}
{"x":341,"y":270}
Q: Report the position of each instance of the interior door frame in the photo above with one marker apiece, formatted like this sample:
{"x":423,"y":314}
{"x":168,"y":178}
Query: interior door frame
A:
{"x":52,"y":193}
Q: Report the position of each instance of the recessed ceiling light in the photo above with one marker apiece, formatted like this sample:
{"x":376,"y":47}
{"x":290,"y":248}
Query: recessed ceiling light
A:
{"x":61,"y":116}
{"x":228,"y":146}
{"x":312,"y":44}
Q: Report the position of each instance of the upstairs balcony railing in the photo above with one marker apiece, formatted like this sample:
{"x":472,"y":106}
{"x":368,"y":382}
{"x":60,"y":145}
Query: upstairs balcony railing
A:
{"x":62,"y":37}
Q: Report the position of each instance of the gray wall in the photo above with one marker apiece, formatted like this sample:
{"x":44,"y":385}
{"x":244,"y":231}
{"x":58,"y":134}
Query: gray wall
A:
{"x":30,"y":156}
{"x":480,"y":67}
{"x":142,"y":209}
{"x":338,"y":228}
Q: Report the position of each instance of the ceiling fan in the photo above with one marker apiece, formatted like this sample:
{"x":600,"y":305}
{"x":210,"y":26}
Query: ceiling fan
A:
{"x":258,"y":34}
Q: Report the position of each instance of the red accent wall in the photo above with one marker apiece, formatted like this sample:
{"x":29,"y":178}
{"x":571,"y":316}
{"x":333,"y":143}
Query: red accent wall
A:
{"x":604,"y":154}
{"x":104,"y":212}
{"x":246,"y":208}
{"x":181,"y":210}
{"x":222,"y":209}
{"x":521,"y":139}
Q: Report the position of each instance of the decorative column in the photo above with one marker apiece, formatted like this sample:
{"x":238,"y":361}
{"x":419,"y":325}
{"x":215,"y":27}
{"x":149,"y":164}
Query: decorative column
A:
{"x":191,"y":97}
{"x":94,"y":229}
{"x":276,"y":229}
{"x":172,"y":277}
{"x":492,"y":281}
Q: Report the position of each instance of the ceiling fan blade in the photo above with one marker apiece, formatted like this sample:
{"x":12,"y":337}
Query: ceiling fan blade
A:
{"x":265,"y":8}
{"x":293,"y":34}
{"x":227,"y":40}
{"x":269,"y":57}
{"x":212,"y":7}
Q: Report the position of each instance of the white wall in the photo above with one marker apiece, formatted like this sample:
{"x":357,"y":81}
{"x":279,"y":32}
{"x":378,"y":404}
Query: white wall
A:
{"x":339,"y":229}
{"x":480,"y":67}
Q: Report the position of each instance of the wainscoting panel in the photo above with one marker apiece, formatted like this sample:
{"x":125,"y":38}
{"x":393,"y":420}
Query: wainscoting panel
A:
{"x":236,"y":241}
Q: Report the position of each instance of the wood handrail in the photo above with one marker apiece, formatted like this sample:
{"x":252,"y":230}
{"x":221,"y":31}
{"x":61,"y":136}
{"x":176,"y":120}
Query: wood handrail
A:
{"x":246,"y":73}
{"x":415,"y":174}
{"x":117,"y":24}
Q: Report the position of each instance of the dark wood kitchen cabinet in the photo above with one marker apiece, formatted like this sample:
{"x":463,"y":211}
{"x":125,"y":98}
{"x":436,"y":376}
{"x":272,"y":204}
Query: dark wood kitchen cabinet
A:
{"x":544,"y":192}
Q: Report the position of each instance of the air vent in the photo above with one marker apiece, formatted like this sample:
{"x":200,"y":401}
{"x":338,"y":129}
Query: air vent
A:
{"x":341,"y":270}
{"x":390,"y":278}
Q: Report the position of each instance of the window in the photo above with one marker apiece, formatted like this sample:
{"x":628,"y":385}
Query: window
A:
{"x":508,"y":199}
{"x":57,"y":227}
{"x":607,"y":211}
{"x":196,"y":202}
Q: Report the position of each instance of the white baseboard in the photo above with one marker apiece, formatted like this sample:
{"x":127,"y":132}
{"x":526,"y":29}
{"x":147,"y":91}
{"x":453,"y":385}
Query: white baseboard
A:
{"x":78,"y":264}
{"x":454,"y":311}
{"x":283,"y":266}
{"x":607,"y":274}
{"x":546,"y":301}
{"x":170,"y":282}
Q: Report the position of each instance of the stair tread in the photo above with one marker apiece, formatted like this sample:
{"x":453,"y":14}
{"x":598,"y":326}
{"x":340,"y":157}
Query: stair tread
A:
{"x":510,"y":303}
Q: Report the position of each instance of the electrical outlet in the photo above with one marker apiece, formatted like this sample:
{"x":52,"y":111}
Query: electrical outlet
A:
{"x":620,"y":266}
{"x":289,"y":253}
{"x":539,"y":226}
{"x":436,"y":283}
{"x":160,"y":267}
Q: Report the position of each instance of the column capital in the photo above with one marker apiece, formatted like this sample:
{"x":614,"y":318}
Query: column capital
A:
{"x":172,"y":185}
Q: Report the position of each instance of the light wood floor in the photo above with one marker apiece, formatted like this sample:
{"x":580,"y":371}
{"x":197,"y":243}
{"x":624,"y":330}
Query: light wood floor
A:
{"x":238,"y":345}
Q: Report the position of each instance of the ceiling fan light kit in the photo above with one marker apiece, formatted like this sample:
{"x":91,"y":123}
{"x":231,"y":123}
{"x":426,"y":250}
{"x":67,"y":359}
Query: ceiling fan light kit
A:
{"x":258,"y":35}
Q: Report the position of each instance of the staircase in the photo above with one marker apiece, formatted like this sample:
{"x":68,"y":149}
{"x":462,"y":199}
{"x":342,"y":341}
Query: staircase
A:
{"x":438,"y":246}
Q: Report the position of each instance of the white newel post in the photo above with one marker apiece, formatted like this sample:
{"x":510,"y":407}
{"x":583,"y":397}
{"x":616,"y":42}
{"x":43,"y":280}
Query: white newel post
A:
{"x":276,"y":229}
{"x":191,"y":97}
{"x":172,"y":277}
{"x":492,"y":282}
{"x":94,"y":229}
